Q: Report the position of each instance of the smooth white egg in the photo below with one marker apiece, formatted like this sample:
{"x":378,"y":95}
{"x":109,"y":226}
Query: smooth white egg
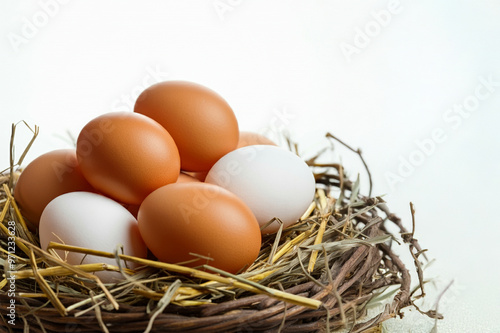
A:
{"x":272,"y":181}
{"x":91,"y":221}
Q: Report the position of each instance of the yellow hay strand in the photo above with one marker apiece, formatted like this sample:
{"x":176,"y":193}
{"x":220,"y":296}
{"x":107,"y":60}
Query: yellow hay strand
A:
{"x":289,"y":245}
{"x":46,"y":289}
{"x":61,"y":271}
{"x":280,"y":295}
{"x":323,"y":205}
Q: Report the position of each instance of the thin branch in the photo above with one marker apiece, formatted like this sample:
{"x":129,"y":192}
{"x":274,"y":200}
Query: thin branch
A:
{"x":357,"y":151}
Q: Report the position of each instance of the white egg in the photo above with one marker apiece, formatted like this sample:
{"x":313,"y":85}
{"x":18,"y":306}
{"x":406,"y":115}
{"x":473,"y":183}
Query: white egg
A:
{"x":272,"y":181}
{"x":91,"y":221}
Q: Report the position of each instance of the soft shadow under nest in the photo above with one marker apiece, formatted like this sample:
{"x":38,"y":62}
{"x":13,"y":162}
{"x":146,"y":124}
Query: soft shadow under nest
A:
{"x":319,"y":275}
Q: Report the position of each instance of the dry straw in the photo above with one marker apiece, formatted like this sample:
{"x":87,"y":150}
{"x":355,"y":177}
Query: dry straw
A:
{"x":320,"y":275}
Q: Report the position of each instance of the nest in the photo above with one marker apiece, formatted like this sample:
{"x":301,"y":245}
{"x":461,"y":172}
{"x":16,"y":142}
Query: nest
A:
{"x":320,"y":275}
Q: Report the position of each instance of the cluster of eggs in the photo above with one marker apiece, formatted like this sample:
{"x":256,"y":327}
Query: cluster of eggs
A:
{"x":176,"y":176}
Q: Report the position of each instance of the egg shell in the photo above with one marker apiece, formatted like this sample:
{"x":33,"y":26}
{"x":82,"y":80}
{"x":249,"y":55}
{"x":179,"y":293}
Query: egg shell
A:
{"x":95,"y":222}
{"x":251,"y":138}
{"x":272,"y":181}
{"x":46,"y":177}
{"x":201,"y":175}
{"x":185,"y":178}
{"x":201,"y":122}
{"x":127,"y":155}
{"x":183,"y":218}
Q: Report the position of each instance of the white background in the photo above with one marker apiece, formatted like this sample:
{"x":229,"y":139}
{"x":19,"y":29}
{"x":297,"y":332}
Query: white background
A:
{"x":284,"y":64}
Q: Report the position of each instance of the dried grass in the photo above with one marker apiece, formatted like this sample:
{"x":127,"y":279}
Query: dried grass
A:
{"x":322,"y":274}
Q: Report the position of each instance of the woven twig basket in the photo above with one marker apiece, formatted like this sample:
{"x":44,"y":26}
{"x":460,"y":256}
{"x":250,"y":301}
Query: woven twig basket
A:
{"x":345,"y":232}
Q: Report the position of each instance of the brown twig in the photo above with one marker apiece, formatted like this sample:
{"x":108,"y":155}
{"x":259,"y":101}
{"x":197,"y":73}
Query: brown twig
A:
{"x":354,"y":260}
{"x":357,"y":151}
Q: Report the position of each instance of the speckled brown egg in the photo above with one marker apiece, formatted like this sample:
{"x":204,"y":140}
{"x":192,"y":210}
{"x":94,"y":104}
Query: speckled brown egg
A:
{"x":201,"y":122}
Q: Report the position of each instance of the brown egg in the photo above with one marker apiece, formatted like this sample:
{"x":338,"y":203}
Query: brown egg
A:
{"x":127,"y":155}
{"x":179,"y":219}
{"x":201,"y":175}
{"x":201,"y":122}
{"x":45,"y":178}
{"x":251,"y":138}
{"x":185,"y":178}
